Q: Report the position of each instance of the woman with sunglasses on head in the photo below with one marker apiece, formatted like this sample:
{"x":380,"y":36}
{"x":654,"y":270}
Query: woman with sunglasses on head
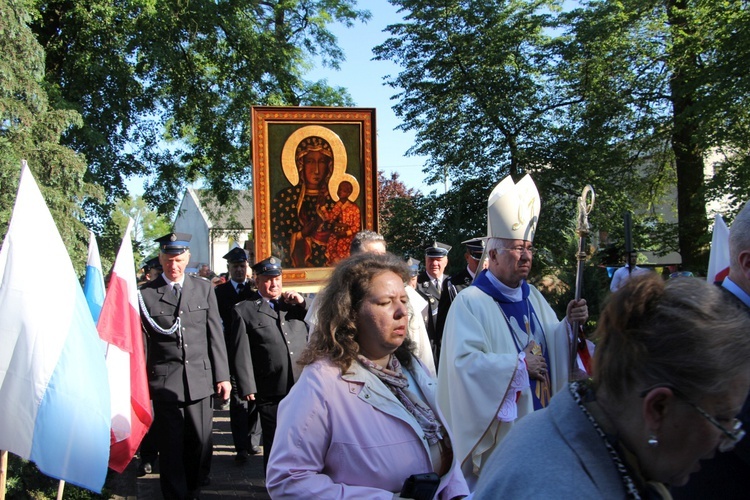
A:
{"x":671,"y":372}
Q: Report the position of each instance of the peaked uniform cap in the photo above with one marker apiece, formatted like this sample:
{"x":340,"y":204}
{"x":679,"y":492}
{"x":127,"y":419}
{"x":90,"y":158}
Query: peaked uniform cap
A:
{"x":236,"y":255}
{"x":413,"y":266}
{"x":268,"y":267}
{"x":174,"y":243}
{"x":152,"y":264}
{"x":437,"y":249}
{"x":513,"y":210}
{"x":475,"y":247}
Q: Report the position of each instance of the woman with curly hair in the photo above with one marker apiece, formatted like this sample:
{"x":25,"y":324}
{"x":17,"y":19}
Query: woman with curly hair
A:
{"x":362,"y":417}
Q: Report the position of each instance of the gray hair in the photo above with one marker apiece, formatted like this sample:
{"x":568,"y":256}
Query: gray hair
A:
{"x":684,"y":332}
{"x":495,"y":244}
{"x":362,"y":238}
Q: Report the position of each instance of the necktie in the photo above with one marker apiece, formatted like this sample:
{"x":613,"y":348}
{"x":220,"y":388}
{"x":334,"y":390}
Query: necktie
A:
{"x":274,"y":304}
{"x":240,"y":287}
{"x":177,"y":291}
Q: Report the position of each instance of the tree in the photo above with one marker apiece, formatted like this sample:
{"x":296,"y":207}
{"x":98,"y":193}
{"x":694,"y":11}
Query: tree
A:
{"x":473,"y":84}
{"x":165,"y":87}
{"x":30,"y":128}
{"x":410,"y":220}
{"x":402,"y":215}
{"x":148,"y":225}
{"x":628,"y":96}
{"x":480,"y":89}
{"x":650,"y":65}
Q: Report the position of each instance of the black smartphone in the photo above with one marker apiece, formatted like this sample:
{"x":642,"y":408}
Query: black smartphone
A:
{"x":421,"y":486}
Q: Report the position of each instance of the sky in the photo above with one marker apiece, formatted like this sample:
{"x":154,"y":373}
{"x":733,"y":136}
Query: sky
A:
{"x":363,"y":78}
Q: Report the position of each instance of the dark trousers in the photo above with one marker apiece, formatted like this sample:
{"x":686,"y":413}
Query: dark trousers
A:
{"x":149,"y":448}
{"x":183,"y":434}
{"x":268,"y":411}
{"x":244,"y":422}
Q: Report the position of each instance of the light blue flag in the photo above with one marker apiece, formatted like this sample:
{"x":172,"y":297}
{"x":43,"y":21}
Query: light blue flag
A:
{"x":54,"y":388}
{"x":93,"y":284}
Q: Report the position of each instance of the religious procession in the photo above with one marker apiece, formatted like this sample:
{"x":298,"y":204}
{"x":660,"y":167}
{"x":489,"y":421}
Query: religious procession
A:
{"x":272,"y":316}
{"x":355,"y":392}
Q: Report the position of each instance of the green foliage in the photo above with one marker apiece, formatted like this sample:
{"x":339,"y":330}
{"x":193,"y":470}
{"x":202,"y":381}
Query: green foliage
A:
{"x":165,"y":87}
{"x":30,"y":129}
{"x":25,"y":482}
{"x":148,"y":225}
{"x":472,"y":84}
{"x":628,"y":96}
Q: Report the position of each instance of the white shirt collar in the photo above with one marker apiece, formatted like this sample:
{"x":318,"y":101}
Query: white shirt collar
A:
{"x":237,"y":283}
{"x":514,"y":294}
{"x":736,"y":290}
{"x":171,"y":283}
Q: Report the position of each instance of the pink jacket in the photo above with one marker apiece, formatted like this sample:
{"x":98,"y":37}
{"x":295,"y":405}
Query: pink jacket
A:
{"x":349,"y":437}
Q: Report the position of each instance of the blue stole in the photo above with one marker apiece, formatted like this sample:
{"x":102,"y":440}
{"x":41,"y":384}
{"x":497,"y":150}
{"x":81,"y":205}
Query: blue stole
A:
{"x":521,"y":319}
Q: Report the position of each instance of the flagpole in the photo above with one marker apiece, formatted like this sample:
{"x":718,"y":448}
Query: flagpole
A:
{"x":3,"y":472}
{"x":60,"y":488}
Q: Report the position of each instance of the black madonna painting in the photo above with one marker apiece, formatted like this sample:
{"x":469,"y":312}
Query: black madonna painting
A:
{"x":315,"y":184}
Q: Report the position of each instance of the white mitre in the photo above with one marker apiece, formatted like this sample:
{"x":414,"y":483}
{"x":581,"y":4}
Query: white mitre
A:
{"x":513,"y":210}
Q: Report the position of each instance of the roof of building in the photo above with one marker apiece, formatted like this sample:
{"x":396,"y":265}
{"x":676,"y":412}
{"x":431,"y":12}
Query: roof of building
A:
{"x":224,"y":216}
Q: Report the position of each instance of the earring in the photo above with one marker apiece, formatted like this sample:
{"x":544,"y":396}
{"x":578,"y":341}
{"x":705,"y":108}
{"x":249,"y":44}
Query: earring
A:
{"x":653,"y":442}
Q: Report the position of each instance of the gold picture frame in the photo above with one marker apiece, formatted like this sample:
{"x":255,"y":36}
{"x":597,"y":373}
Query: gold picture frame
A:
{"x":314,"y":185}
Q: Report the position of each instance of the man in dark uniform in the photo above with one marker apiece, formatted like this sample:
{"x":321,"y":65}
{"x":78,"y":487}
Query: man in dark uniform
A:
{"x":429,"y":286}
{"x":186,"y":362}
{"x":268,"y":334}
{"x":459,"y":281}
{"x":243,"y":415}
{"x":727,"y":475}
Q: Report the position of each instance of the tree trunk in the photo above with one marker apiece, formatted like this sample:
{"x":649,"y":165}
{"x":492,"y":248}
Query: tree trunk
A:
{"x":691,"y":199}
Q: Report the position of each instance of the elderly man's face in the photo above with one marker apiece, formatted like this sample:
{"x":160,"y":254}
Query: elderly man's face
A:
{"x":269,"y":286}
{"x":511,"y":263}
{"x":174,"y":265}
{"x":435,"y":266}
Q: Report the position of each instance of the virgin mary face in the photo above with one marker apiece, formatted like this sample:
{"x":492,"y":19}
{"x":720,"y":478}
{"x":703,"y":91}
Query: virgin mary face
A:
{"x":315,"y":168}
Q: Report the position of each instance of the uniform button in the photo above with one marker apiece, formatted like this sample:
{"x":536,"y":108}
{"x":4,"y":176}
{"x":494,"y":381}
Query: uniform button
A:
{"x":186,"y":346}
{"x":288,"y":342}
{"x":187,"y":362}
{"x":367,"y":396}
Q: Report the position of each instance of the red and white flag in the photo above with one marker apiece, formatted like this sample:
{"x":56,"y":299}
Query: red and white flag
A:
{"x":718,"y":261}
{"x":120,"y":326}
